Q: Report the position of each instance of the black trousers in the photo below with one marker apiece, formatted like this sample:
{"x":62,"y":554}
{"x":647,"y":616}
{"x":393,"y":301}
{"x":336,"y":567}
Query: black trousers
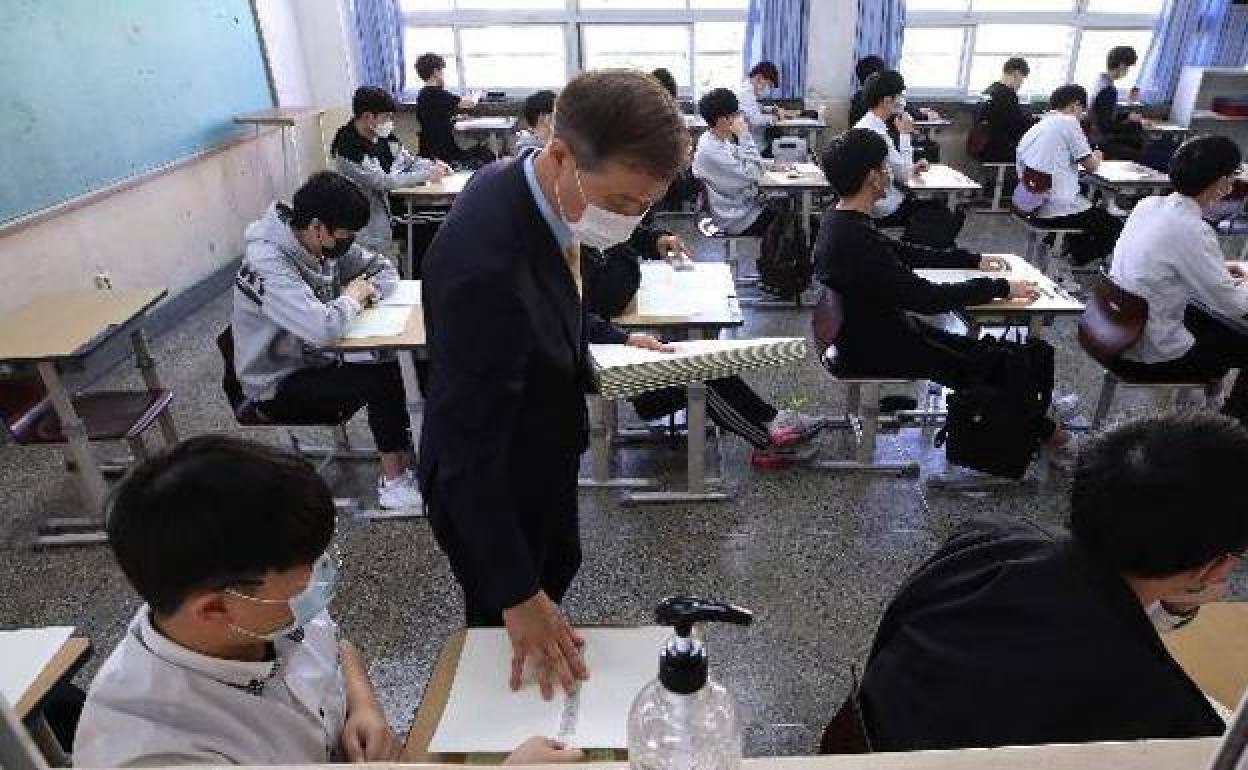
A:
{"x":544,"y":490}
{"x":760,"y":225}
{"x":322,"y":395}
{"x":933,"y":354}
{"x":1219,"y":348}
{"x":1100,"y":233}
{"x":730,"y":403}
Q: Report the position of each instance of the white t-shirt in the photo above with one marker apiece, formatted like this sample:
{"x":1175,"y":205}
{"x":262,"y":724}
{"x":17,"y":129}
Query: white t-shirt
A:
{"x":900,"y":160}
{"x":1055,"y":146}
{"x":157,"y":703}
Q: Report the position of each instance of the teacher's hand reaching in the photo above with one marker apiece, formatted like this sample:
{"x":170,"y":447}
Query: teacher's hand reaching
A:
{"x":540,"y":633}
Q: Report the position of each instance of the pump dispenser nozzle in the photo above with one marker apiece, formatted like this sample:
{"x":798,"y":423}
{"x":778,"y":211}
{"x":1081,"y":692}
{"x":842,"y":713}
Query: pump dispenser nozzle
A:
{"x":683,"y":665}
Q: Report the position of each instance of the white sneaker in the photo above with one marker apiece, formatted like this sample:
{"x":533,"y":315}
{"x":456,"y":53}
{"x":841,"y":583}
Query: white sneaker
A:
{"x":399,"y":494}
{"x":793,"y":427}
{"x":1064,"y":408}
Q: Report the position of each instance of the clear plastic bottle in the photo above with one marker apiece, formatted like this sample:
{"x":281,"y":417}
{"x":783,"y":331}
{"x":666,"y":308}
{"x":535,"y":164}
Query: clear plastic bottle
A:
{"x":682,"y":720}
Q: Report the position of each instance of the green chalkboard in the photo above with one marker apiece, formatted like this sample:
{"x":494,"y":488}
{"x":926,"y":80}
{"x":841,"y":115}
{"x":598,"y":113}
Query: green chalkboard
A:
{"x":95,"y":91}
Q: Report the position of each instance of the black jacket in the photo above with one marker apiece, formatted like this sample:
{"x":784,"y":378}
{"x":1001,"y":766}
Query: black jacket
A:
{"x":1109,"y":122}
{"x":1011,"y":635}
{"x":508,"y":373}
{"x":435,"y":109}
{"x":875,"y":277}
{"x":612,"y":277}
{"x":1007,"y":122}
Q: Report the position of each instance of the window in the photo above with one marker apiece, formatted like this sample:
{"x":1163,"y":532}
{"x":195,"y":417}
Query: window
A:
{"x":523,"y":45}
{"x":959,"y":46}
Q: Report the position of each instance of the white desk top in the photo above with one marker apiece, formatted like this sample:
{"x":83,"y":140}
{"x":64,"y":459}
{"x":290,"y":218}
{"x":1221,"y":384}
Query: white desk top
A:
{"x":499,"y":123}
{"x":801,"y":123}
{"x":942,"y":178}
{"x":704,"y":297}
{"x":1166,"y":128}
{"x":278,"y":116}
{"x":694,"y":122}
{"x":71,"y":323}
{"x":937,"y":123}
{"x":799,"y":176}
{"x":1053,"y":299}
{"x":411,"y":338}
{"x":1126,"y":172}
{"x":448,"y":187}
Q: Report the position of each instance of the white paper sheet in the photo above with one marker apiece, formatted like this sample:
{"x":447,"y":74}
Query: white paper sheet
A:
{"x":379,"y":322}
{"x":406,"y":294}
{"x":25,"y":653}
{"x":483,"y":715}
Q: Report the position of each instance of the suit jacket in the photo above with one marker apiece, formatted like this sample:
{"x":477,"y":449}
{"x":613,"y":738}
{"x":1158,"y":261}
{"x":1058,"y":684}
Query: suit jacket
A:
{"x":508,"y":373}
{"x":1011,"y":635}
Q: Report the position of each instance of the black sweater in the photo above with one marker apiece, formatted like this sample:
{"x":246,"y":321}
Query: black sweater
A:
{"x":1007,"y":122}
{"x":875,"y":277}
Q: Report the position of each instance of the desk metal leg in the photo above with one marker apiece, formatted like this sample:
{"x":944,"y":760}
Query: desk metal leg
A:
{"x":82,"y":464}
{"x":45,"y":740}
{"x":147,"y":367}
{"x":411,"y":390}
{"x":602,"y":423}
{"x":294,"y":148}
{"x":409,"y":268}
{"x":999,"y":190}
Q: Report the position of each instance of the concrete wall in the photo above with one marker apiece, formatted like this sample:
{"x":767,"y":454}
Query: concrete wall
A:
{"x":829,"y":56}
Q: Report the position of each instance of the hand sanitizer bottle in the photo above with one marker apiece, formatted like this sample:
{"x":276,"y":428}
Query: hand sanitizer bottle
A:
{"x":683,"y":720}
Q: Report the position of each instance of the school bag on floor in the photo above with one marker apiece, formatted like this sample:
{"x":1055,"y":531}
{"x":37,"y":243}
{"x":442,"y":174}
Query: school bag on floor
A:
{"x":994,"y":426}
{"x":784,"y":264}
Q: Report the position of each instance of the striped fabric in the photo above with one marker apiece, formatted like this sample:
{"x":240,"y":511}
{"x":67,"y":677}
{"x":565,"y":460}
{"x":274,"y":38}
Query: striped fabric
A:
{"x":776,"y":31}
{"x":379,"y":36}
{"x":1192,"y":33}
{"x":881,"y":30}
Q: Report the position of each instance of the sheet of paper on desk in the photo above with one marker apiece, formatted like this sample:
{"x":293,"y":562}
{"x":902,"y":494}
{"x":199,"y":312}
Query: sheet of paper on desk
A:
{"x":25,"y":652}
{"x":483,"y":715}
{"x":379,"y":322}
{"x":806,"y":169}
{"x":960,"y":276}
{"x":406,"y":294}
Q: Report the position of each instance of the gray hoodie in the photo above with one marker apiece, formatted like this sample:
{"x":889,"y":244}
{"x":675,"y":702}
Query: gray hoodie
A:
{"x":288,"y":304}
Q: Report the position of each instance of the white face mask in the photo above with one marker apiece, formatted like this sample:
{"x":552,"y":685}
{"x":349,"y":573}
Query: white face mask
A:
{"x":598,"y":228}
{"x":900,"y":105}
{"x":384,"y":130}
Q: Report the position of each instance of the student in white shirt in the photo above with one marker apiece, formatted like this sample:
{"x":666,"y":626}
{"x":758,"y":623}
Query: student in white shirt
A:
{"x":728,"y":164}
{"x":1057,"y":146}
{"x":762,"y":80}
{"x":233,"y":659}
{"x":1169,"y":255}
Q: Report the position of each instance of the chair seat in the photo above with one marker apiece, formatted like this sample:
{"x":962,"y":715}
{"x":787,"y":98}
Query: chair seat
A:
{"x":1163,"y":382}
{"x":107,"y":415}
{"x":1029,"y":221}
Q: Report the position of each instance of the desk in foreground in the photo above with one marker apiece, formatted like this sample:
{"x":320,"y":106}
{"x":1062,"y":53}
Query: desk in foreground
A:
{"x":1213,"y":652}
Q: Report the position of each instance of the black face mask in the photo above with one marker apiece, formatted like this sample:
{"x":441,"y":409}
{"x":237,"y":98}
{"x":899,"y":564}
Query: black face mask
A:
{"x":340,"y":247}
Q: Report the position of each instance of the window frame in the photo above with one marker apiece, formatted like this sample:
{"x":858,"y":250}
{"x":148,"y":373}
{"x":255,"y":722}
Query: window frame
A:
{"x":1079,"y":19}
{"x":571,"y":18}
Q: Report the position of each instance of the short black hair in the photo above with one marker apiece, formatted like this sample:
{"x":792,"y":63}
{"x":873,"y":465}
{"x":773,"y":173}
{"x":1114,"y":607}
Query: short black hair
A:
{"x":1066,"y":95}
{"x":718,"y":103}
{"x":372,"y":99}
{"x":1201,"y":161}
{"x":332,"y":199}
{"x":1120,"y":55}
{"x":216,"y":511}
{"x":667,"y":79}
{"x":1017,"y":64}
{"x":850,"y":157}
{"x":622,"y":115}
{"x":429,"y":63}
{"x":882,"y":85}
{"x":536,"y":105}
{"x":868,"y":66}
{"x":768,"y":70}
{"x":1161,"y":495}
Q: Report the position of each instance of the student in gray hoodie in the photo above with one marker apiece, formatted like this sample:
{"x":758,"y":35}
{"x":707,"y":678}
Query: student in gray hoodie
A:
{"x":302,"y":282}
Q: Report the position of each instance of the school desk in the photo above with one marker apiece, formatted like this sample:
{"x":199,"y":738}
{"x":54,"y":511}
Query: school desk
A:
{"x":1212,"y":651}
{"x":286,"y":119}
{"x":811,"y":127}
{"x":942,"y":181}
{"x":1128,"y":177}
{"x":803,"y":180}
{"x":61,"y":666}
{"x":495,"y":129}
{"x":440,"y":193}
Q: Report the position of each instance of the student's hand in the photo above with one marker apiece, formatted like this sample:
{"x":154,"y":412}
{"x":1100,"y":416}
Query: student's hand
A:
{"x":439,"y":171}
{"x":929,"y":113}
{"x":543,"y":751}
{"x":1187,"y":601}
{"x":904,"y":123}
{"x":1097,"y":157}
{"x":648,"y":342}
{"x":1027,"y":290}
{"x":539,"y":631}
{"x":740,"y":126}
{"x":922,"y":166}
{"x":1135,"y":117}
{"x":993,"y":264}
{"x":361,"y":290}
{"x":367,"y":737}
{"x":1237,"y":272}
{"x":671,"y":247}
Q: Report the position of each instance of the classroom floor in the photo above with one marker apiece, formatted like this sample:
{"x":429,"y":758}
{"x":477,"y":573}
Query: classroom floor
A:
{"x":816,"y":556}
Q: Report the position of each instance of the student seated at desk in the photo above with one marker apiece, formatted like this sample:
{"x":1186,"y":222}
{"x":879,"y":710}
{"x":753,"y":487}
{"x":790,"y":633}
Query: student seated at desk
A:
{"x":874,"y":276}
{"x":886,"y":106}
{"x":1015,"y":633}
{"x":1119,"y":133}
{"x":1004,"y":117}
{"x":436,"y":108}
{"x":779,"y":437}
{"x":728,"y":164}
{"x":539,"y":114}
{"x":762,"y":80}
{"x":1169,"y":256}
{"x":367,"y":152}
{"x":1057,"y":146}
{"x":301,"y":284}
{"x":667,"y":80}
{"x":233,"y":658}
{"x":868,"y":66}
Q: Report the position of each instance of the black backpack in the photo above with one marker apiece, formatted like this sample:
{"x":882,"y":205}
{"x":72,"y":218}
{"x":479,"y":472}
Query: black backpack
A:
{"x":995,"y":425}
{"x":931,"y":224}
{"x":784,"y":264}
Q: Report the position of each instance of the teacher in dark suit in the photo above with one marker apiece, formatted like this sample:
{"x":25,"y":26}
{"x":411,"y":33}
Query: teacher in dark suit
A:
{"x":505,"y":418}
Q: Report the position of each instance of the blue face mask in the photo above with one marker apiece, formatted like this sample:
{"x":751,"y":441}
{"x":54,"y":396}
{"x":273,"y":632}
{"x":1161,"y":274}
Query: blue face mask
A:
{"x":305,"y":605}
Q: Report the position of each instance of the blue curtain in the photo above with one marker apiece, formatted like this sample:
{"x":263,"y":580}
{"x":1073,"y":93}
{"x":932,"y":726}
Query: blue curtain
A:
{"x":776,"y":31}
{"x":1189,"y":33}
{"x":1232,"y":49}
{"x":881,"y":29}
{"x":379,"y":33}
